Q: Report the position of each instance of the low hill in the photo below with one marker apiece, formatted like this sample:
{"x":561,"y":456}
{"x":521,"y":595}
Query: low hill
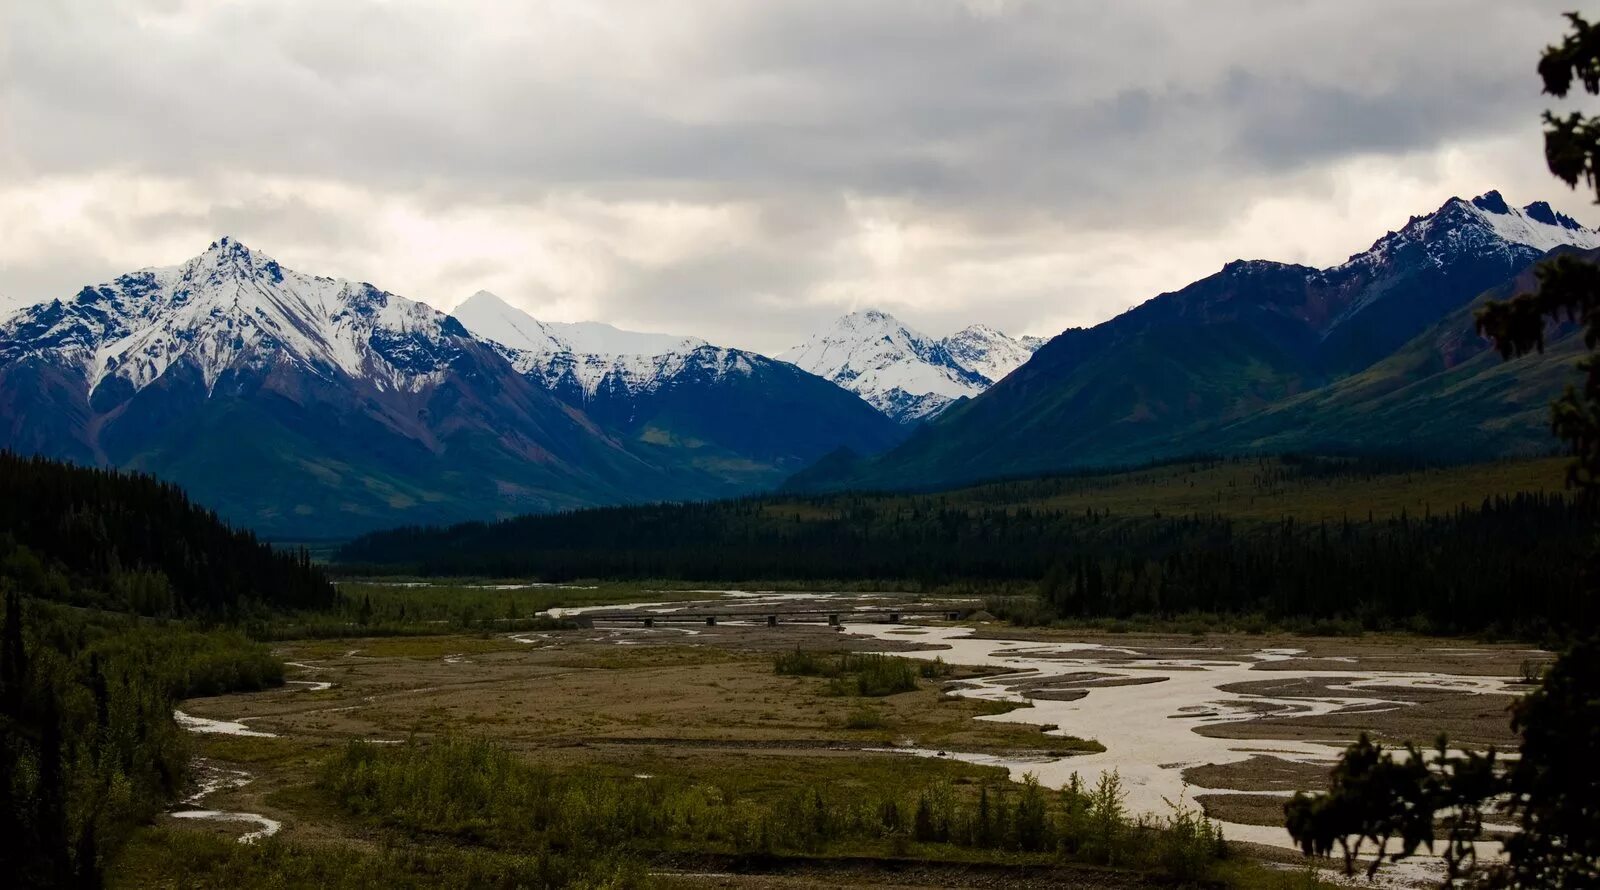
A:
{"x":130,"y":542}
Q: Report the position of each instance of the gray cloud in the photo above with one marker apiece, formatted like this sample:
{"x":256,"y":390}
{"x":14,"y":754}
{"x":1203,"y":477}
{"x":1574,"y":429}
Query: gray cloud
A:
{"x":1029,"y":164}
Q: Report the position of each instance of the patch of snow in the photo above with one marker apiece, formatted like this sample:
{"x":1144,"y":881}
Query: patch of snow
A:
{"x":587,"y":358}
{"x":230,"y":308}
{"x":1536,"y":225}
{"x":904,"y":373}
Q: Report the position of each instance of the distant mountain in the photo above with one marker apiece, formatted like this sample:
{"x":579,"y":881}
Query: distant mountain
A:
{"x":731,"y":414}
{"x":304,"y":405}
{"x":575,"y":361}
{"x":1257,"y":356}
{"x":908,"y":375}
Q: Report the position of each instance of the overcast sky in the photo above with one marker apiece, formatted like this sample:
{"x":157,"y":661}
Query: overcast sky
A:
{"x":745,"y":171}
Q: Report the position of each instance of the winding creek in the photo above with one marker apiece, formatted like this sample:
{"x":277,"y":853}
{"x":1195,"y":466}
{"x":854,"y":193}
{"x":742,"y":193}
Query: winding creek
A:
{"x":215,"y":778}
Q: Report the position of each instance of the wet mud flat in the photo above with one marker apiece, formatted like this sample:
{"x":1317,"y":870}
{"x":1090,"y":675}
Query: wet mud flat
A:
{"x":1235,"y":724}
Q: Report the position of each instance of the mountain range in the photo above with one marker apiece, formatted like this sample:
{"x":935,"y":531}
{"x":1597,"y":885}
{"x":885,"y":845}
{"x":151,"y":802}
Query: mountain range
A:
{"x":906,"y":374}
{"x":305,"y":405}
{"x":1379,"y":353}
{"x":725,"y":412}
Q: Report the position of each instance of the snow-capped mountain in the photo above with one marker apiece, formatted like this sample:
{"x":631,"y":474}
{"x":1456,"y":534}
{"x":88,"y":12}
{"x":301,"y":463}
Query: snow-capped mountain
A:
{"x":906,"y":374}
{"x":1409,"y":278}
{"x":306,"y":405}
{"x":728,"y":406}
{"x":989,"y":352}
{"x":1485,"y":225}
{"x":579,"y":360}
{"x":1265,"y":355}
{"x":230,"y":309}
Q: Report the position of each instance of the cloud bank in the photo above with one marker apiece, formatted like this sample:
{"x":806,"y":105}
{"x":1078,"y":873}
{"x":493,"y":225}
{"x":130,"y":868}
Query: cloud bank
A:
{"x":744,"y":171}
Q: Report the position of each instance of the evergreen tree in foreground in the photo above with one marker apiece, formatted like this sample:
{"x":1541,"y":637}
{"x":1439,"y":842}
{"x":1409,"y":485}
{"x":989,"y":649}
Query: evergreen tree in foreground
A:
{"x":1399,"y":805}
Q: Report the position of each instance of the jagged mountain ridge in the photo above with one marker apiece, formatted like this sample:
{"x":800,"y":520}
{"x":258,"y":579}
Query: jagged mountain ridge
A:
{"x":300,"y":404}
{"x":725,"y":407}
{"x":305,"y":405}
{"x":1165,"y":378}
{"x":228,"y":309}
{"x":904,"y":373}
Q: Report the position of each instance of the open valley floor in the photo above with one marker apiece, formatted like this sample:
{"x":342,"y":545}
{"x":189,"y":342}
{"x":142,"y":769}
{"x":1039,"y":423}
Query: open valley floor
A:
{"x":1229,"y":723}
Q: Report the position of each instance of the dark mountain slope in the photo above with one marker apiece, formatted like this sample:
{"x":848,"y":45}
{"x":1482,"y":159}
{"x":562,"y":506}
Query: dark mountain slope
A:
{"x":743,"y":421}
{"x":303,"y":405}
{"x":1162,"y":379}
{"x":1446,"y":393}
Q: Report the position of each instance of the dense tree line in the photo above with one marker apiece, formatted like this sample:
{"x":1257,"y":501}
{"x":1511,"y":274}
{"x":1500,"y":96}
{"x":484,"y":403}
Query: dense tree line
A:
{"x":1504,"y":564}
{"x":94,"y":568}
{"x":88,"y":744}
{"x":128,"y":541}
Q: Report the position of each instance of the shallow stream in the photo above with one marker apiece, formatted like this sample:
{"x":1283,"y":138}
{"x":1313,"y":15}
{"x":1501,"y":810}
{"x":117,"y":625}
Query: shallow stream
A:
{"x":1148,"y":728}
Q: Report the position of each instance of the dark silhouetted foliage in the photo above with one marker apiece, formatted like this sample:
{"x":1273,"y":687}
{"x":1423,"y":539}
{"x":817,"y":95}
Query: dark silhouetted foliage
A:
{"x":129,"y":542}
{"x":1553,"y":788}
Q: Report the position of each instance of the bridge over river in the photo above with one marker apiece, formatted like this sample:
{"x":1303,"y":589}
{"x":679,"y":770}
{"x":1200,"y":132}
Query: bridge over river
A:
{"x":703,"y":614}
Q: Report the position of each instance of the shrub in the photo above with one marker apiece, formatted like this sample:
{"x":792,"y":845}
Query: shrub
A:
{"x":869,"y":675}
{"x":866,"y":718}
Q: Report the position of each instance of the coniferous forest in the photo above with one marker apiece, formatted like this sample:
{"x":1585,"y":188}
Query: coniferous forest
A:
{"x":113,"y":587}
{"x":131,"y":542}
{"x":1501,"y":564}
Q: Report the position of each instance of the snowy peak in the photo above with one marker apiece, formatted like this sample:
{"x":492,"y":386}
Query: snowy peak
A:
{"x":579,"y":360}
{"x":902,"y":372}
{"x":492,"y":318}
{"x":989,"y":352}
{"x":598,"y":338}
{"x":1537,"y":225}
{"x":1484,"y":224}
{"x":231,"y":309}
{"x":9,"y":305}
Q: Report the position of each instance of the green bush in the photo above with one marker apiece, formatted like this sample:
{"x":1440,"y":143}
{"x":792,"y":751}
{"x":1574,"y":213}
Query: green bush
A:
{"x":1190,"y":844}
{"x":866,"y":718}
{"x":872,"y":676}
{"x":88,"y":745}
{"x":472,"y":791}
